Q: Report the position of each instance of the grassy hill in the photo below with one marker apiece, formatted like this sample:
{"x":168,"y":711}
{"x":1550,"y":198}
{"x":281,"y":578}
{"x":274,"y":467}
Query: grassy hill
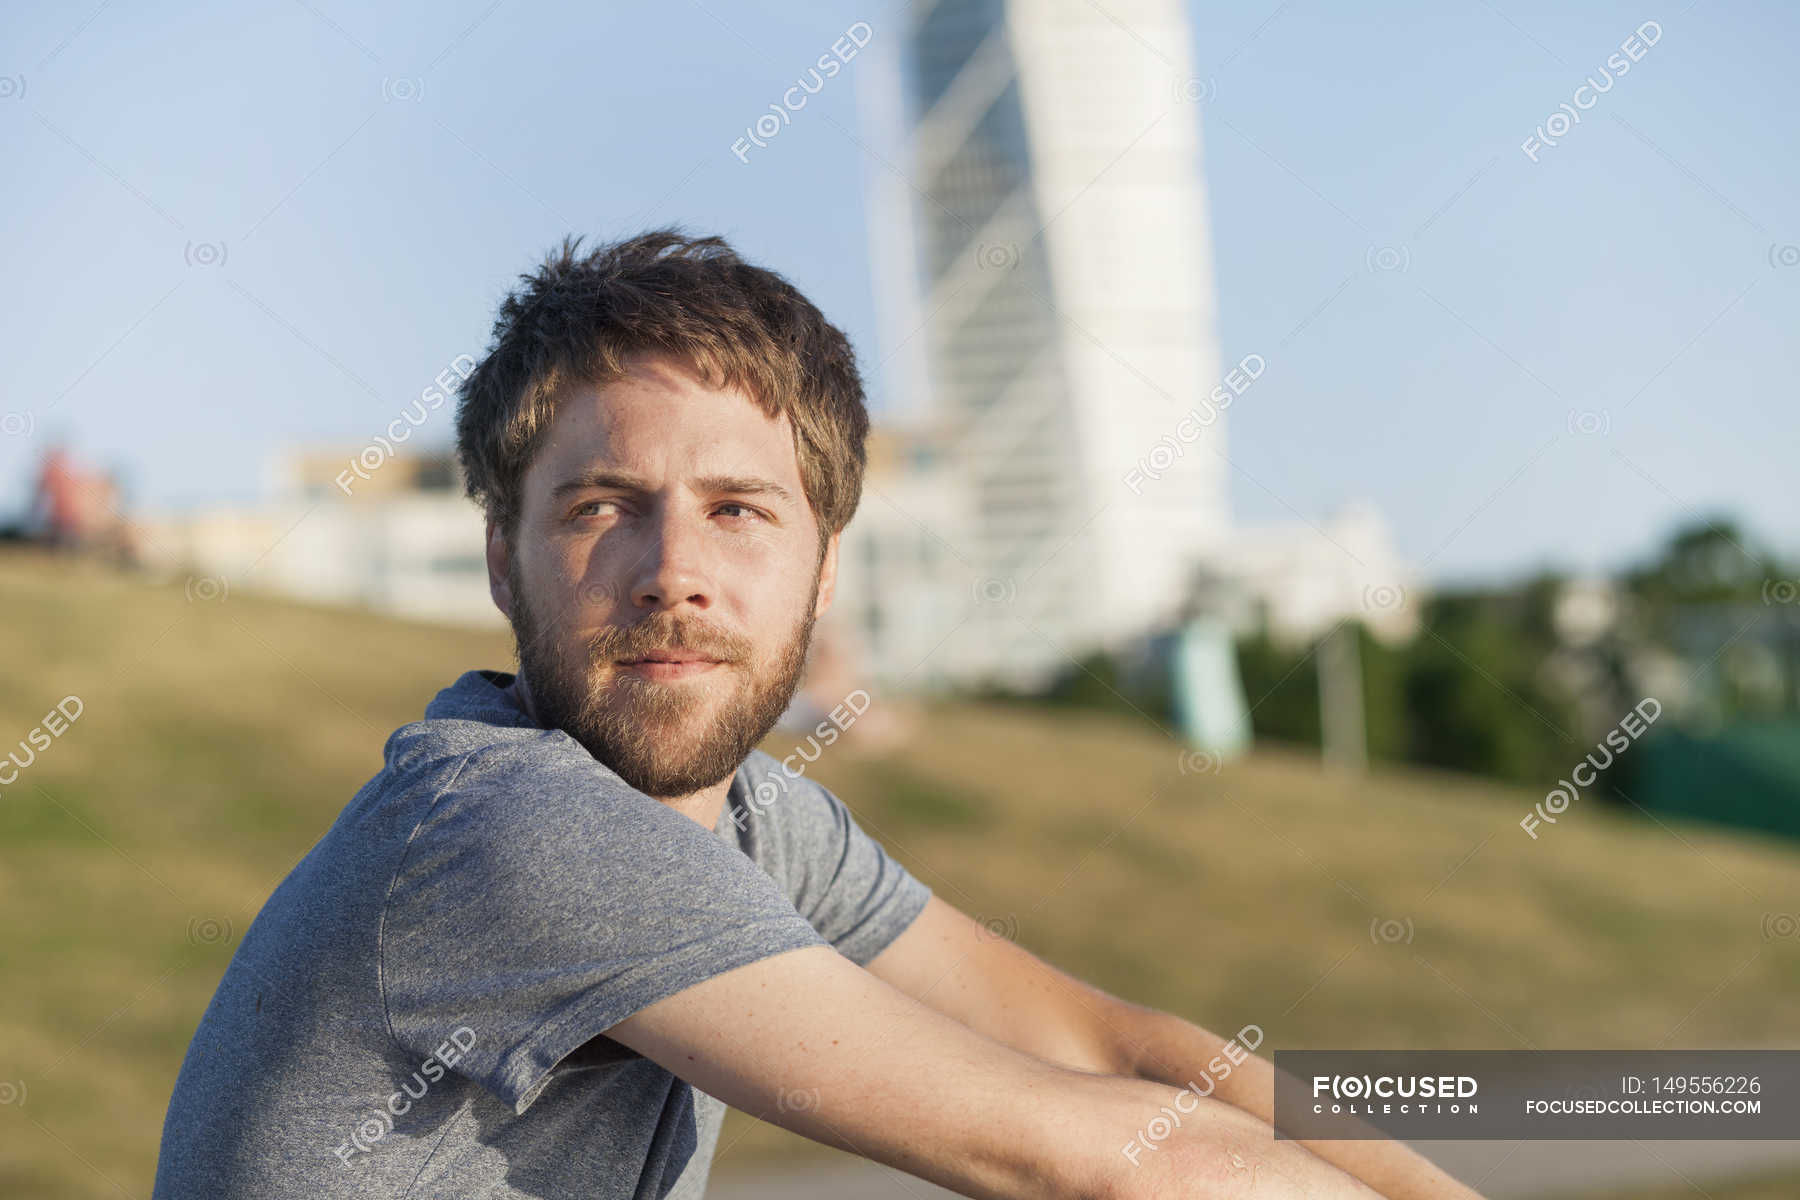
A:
{"x":221,"y":735}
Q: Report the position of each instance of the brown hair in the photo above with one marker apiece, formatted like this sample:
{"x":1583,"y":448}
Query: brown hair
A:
{"x":580,"y":319}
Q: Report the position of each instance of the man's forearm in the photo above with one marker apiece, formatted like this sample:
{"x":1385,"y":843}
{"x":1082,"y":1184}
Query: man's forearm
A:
{"x":1166,"y":1049}
{"x":1217,"y":1152}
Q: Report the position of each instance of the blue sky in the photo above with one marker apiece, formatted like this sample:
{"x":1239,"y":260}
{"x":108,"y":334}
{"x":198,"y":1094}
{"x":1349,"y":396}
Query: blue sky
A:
{"x":231,"y":227}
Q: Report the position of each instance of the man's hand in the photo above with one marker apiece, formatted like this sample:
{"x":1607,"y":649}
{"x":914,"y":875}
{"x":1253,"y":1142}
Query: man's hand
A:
{"x":1175,"y":1051}
{"x":812,"y":1042}
{"x":951,"y":962}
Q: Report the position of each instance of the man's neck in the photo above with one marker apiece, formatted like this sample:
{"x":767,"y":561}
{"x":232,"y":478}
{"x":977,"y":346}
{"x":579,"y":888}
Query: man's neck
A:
{"x":702,"y":807}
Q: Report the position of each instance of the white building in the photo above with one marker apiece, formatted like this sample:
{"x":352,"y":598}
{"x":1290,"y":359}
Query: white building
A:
{"x":1045,"y":281}
{"x":1064,"y":265}
{"x":404,"y":541}
{"x":1302,"y":579}
{"x":903,"y":583}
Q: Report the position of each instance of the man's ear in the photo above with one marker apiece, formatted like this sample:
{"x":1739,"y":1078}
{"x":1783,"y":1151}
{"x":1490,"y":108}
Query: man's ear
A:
{"x":827,"y":575}
{"x":499,"y":560}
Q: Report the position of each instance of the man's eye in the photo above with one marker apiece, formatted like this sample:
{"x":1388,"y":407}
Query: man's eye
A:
{"x":581,"y":510}
{"x":743,"y":509}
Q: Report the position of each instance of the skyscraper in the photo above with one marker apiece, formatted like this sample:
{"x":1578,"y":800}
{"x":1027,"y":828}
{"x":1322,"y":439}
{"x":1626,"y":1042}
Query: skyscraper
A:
{"x":1065,"y":279}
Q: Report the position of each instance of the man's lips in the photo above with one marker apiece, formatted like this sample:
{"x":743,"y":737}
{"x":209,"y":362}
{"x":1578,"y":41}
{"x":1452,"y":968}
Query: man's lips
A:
{"x":667,"y":666}
{"x":668,"y":656}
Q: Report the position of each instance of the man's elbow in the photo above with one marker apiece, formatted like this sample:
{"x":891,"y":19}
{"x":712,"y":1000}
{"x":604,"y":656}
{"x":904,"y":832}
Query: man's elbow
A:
{"x":1100,"y":1047}
{"x":1119,"y":1039}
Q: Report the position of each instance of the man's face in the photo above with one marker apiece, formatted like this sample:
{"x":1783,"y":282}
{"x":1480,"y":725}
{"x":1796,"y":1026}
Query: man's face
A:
{"x":665,"y":578}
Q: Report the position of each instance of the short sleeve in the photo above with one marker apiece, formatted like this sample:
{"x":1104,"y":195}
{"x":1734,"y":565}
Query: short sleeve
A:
{"x":542,"y":900}
{"x":851,"y":890}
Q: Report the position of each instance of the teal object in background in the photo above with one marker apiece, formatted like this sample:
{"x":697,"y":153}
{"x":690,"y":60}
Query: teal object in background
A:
{"x":1745,"y":775}
{"x":1208,"y":692}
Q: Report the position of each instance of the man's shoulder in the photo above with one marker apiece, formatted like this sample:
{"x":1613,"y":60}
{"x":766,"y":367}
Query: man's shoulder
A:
{"x":474,"y":727}
{"x":473,"y":712}
{"x":476,"y":767}
{"x":836,"y":875}
{"x":779,"y":794}
{"x":532,"y":786}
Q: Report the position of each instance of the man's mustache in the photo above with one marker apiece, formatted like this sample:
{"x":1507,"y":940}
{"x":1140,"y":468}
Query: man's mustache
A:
{"x":617,"y":643}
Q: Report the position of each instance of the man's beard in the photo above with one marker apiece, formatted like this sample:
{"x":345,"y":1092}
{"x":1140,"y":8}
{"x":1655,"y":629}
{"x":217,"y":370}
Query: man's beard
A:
{"x":638,"y":726}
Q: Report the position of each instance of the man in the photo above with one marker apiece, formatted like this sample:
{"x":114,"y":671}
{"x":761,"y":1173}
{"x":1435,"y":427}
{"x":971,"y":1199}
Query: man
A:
{"x":551,"y":939}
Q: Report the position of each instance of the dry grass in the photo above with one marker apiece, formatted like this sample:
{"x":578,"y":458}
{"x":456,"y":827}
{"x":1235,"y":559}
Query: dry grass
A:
{"x":221,"y":738}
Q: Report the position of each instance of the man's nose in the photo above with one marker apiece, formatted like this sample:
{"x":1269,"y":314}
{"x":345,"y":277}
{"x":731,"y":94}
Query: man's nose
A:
{"x":673,"y":569}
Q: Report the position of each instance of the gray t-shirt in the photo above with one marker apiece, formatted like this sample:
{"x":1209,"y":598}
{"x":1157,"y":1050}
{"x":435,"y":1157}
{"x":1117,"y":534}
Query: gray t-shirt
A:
{"x":417,"y":1010}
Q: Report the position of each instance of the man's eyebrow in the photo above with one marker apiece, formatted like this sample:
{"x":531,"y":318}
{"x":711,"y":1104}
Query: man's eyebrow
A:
{"x":599,"y":477}
{"x":744,"y":485}
{"x":626,"y":481}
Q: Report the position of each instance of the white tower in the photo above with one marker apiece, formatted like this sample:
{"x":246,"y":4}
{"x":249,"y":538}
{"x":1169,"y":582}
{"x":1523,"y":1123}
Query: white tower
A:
{"x":1066,"y":271}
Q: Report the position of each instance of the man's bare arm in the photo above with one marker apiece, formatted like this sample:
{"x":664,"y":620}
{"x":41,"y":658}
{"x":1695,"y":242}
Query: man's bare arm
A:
{"x":812,"y":1042}
{"x":952,"y":963}
{"x":1173,"y":1051}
